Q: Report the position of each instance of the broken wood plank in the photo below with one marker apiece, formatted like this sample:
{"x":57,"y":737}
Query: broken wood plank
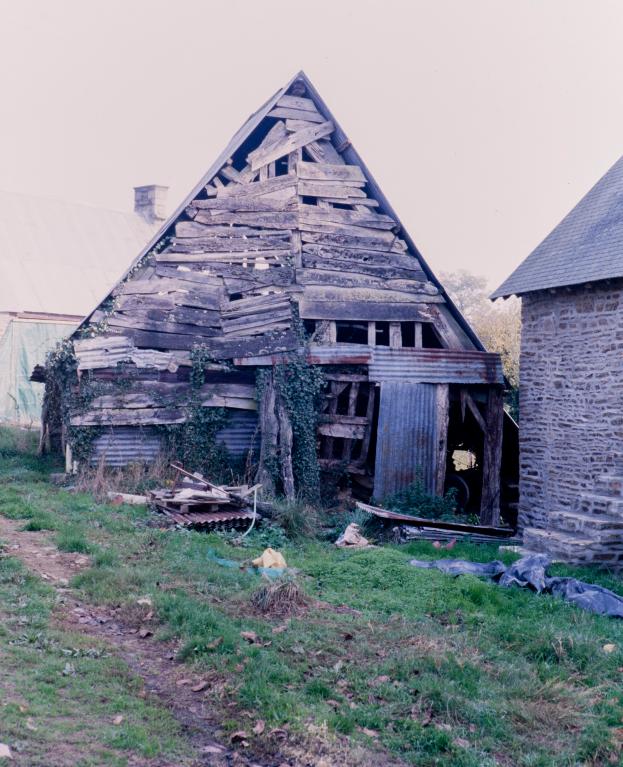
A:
{"x":318,"y":171}
{"x":324,"y":151}
{"x":262,"y":156}
{"x":286,"y":113}
{"x":260,"y":187}
{"x":297,"y":102}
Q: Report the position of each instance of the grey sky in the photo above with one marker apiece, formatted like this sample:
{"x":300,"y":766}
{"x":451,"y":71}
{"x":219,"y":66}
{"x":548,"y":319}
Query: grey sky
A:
{"x":483,"y":120}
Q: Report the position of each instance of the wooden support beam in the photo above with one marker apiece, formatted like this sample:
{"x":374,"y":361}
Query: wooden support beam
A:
{"x":269,"y":431}
{"x":492,"y":459}
{"x":371,"y":333}
{"x":467,"y":401}
{"x":418,"y":335}
{"x":442,"y":420}
{"x":286,"y":439}
{"x":395,"y":335}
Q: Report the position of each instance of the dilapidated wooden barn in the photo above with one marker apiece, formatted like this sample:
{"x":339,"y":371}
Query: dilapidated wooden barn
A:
{"x":285,"y":259}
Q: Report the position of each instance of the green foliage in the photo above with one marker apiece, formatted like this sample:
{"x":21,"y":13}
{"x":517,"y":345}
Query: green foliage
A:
{"x":301,"y":386}
{"x":298,"y":519}
{"x":416,"y":501}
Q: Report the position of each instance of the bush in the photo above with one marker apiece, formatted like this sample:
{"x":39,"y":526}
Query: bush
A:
{"x":298,"y":519}
{"x":416,"y":501}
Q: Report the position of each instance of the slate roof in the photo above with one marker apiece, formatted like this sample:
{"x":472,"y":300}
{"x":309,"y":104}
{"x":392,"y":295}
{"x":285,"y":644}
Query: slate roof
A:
{"x":62,"y":257}
{"x":586,"y":246}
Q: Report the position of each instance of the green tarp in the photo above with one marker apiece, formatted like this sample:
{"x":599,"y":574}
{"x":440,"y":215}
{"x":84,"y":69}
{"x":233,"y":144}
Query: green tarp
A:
{"x":24,"y":344}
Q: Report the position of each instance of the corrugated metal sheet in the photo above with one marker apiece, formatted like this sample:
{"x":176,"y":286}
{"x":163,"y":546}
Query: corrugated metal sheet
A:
{"x":241,"y":432}
{"x":121,"y":445}
{"x":61,"y":257}
{"x":435,"y":366}
{"x":406,"y":438}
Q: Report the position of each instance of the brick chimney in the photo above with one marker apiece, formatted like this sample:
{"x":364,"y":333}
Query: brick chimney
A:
{"x":150,"y":202}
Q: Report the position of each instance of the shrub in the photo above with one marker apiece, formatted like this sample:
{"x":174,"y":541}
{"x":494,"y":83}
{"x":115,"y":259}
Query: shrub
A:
{"x":416,"y":501}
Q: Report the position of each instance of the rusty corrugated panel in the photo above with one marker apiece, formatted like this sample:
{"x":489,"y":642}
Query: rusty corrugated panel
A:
{"x":241,"y":432}
{"x":406,"y":438}
{"x":205,"y":518}
{"x":121,"y":445}
{"x":435,"y":366}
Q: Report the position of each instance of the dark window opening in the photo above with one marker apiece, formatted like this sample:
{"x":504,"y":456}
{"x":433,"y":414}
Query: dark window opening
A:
{"x":310,"y":327}
{"x":235,"y":296}
{"x":382,"y":333}
{"x":351,"y":332}
{"x":281,"y":167}
{"x":407,"y":330}
{"x":430,"y":337}
{"x":342,"y":205}
{"x":309,"y":200}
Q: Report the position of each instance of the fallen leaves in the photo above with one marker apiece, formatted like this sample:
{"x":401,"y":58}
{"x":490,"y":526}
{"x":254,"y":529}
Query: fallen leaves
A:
{"x":200,"y":686}
{"x":5,"y":751}
{"x":252,"y":638}
{"x":259,"y":727}
{"x":118,"y":719}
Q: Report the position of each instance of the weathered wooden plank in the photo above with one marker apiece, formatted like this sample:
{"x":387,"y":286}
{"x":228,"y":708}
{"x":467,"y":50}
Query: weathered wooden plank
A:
{"x":352,"y":237}
{"x":226,"y":244}
{"x":209,"y":318}
{"x":225,"y":258}
{"x":319,"y":171}
{"x":262,"y":156}
{"x":353,"y":279}
{"x":312,"y":213}
{"x":260,"y":187}
{"x":340,"y":192}
{"x":324,"y":151}
{"x":247,"y":203}
{"x":492,"y":458}
{"x":129,"y":417}
{"x":286,"y":113}
{"x":381,"y":270}
{"x":344,"y":430}
{"x":363,"y":310}
{"x":365,"y":294}
{"x":221,"y":347}
{"x":366,"y":256}
{"x":138,"y":322}
{"x":292,"y":126}
{"x":274,"y":220}
{"x":297,"y":102}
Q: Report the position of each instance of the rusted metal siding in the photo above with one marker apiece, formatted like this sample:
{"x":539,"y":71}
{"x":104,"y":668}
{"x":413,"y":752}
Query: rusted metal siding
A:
{"x":435,"y":366}
{"x":406,"y":438}
{"x":121,"y":445}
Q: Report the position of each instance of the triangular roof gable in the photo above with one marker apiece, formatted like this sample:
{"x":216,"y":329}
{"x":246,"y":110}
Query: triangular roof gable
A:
{"x":586,"y":246}
{"x":349,"y":155}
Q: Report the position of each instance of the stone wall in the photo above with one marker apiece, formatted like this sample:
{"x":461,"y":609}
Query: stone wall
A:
{"x":571,"y":396}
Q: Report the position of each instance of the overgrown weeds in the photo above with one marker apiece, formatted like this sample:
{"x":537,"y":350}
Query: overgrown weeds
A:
{"x":279,"y":599}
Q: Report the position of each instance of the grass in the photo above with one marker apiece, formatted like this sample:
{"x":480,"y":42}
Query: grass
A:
{"x":49,"y":713}
{"x":436,"y":670}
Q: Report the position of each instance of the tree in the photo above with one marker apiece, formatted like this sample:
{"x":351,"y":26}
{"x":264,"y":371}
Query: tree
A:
{"x":498,"y":325}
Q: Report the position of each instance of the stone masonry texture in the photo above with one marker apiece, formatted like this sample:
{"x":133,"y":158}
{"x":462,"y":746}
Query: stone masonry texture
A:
{"x":571,"y":397}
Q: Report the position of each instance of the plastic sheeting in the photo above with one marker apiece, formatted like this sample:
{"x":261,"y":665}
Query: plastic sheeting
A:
{"x":24,"y":344}
{"x":531,"y":572}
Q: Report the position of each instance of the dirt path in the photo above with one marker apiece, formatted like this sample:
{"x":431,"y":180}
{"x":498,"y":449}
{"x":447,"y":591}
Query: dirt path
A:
{"x":153,"y":662}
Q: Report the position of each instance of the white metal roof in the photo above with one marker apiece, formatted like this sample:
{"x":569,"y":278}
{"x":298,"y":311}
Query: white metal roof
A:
{"x":63,"y":257}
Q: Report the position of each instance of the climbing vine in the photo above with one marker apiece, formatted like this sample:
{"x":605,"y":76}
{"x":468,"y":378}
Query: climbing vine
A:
{"x":301,"y":386}
{"x":194,"y":442}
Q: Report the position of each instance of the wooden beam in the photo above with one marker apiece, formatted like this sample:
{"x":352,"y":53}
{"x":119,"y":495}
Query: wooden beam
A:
{"x":395,"y":335}
{"x":442,"y":420}
{"x":492,"y":458}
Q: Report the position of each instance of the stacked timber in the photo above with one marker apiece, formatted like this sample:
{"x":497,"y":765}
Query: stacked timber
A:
{"x":195,"y":502}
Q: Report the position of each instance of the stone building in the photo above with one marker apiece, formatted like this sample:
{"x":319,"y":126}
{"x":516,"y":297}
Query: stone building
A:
{"x":571,"y":392}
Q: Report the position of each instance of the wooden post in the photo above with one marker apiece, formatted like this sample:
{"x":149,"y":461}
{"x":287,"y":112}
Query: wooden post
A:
{"x":269,"y":431}
{"x":442,"y":420}
{"x":418,"y":335}
{"x":395,"y":335}
{"x":371,"y":333}
{"x":286,"y":439}
{"x":492,"y":458}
